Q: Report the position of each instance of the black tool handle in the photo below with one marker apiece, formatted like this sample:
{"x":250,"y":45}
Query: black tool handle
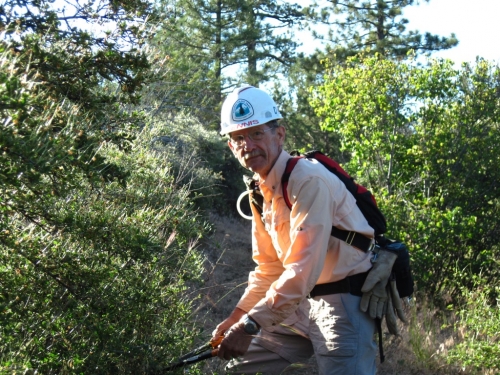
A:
{"x":189,"y":361}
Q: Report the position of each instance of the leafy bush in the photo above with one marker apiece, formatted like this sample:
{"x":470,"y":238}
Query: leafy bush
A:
{"x":103,"y":291}
{"x":425,"y":140}
{"x":479,"y":326}
{"x":97,"y":242}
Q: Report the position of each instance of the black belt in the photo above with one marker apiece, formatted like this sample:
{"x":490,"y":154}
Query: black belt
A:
{"x":351,"y":284}
{"x":353,"y":238}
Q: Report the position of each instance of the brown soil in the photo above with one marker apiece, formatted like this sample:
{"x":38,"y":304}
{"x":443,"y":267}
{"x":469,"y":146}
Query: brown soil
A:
{"x":228,"y":261}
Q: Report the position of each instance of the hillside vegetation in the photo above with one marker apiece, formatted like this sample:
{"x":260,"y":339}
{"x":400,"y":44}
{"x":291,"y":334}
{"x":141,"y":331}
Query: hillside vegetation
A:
{"x":119,"y":245}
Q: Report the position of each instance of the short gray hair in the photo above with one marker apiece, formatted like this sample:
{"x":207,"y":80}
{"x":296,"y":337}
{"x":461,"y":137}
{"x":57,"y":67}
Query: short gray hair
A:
{"x":273,"y":124}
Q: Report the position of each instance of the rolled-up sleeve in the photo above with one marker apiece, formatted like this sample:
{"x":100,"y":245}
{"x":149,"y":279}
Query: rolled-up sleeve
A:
{"x":268,"y":269}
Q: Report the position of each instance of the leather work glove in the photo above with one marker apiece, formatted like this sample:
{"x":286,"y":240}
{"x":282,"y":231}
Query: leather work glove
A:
{"x":235,"y":343}
{"x":396,"y":301}
{"x":394,"y":309}
{"x":390,"y":316}
{"x":374,"y":288}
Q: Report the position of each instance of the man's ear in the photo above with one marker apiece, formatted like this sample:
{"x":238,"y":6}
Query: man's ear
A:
{"x":231,"y":147}
{"x":281,"y":133}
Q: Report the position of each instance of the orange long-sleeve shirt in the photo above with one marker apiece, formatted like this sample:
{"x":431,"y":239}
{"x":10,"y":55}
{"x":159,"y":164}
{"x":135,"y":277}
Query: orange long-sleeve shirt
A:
{"x":294,"y":250}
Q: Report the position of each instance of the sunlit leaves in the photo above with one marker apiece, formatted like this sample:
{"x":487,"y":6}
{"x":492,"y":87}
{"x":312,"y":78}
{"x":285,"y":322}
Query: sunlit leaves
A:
{"x":424,"y":139}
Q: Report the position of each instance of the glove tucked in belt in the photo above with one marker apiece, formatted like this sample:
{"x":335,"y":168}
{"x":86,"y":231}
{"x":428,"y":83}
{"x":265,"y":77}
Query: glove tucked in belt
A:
{"x":380,"y":296}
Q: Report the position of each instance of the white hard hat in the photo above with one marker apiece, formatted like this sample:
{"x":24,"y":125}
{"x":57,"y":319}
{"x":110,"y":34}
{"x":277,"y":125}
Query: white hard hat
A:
{"x":245,"y":107}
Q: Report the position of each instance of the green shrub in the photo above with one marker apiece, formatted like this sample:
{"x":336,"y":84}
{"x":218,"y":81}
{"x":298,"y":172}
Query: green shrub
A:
{"x":424,"y":139}
{"x":97,"y":241}
{"x":103,"y":291}
{"x":201,"y":161}
{"x":479,"y":328}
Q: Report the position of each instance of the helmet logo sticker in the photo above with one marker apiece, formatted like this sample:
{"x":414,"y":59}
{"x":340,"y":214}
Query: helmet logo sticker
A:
{"x":242,"y":110}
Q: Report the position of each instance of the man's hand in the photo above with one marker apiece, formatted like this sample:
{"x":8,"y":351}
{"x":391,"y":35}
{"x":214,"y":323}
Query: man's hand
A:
{"x":235,"y":317}
{"x":374,"y":289}
{"x":235,"y":343}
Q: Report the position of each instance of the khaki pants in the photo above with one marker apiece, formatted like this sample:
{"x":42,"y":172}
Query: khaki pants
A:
{"x":332,"y":327}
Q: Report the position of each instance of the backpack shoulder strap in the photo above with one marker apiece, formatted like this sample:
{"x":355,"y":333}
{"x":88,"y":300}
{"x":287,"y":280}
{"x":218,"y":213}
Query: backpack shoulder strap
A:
{"x":290,"y":164}
{"x":352,"y":238}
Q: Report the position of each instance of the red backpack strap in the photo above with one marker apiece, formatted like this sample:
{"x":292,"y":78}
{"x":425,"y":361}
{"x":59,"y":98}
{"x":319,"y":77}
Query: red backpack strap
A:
{"x":290,"y":164}
{"x":352,"y":238}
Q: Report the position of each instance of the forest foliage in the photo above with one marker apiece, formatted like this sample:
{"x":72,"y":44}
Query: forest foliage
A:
{"x":424,"y":140}
{"x":110,"y":160}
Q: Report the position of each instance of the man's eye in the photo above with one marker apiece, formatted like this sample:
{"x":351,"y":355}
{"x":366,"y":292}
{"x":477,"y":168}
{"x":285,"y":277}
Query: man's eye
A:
{"x":238,"y":138}
{"x":258,"y":133}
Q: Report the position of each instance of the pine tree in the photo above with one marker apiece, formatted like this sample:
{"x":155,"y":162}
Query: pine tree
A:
{"x":377,"y":26}
{"x":196,"y":40}
{"x":77,"y":48}
{"x":267,"y":43}
{"x":213,"y":45}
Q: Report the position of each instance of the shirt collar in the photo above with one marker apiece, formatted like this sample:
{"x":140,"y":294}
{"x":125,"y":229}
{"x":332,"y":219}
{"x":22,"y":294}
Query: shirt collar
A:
{"x":273,"y":181}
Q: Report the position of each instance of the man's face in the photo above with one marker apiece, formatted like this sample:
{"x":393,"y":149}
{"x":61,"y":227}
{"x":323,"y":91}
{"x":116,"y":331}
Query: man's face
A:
{"x":258,"y":147}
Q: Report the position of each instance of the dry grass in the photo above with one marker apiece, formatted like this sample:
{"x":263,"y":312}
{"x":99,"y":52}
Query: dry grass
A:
{"x":420,"y":350}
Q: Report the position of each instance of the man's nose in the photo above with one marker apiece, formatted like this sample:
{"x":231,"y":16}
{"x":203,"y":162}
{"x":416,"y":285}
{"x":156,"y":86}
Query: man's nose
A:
{"x":249,"y":142}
